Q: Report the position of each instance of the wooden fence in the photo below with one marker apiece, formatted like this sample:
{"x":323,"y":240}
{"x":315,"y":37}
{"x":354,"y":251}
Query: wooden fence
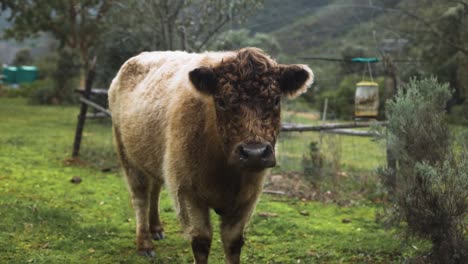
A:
{"x":102,"y":112}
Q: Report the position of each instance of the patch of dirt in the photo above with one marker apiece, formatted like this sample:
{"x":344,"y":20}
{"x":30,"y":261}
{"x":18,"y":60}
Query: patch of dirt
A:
{"x":75,"y":162}
{"x":294,"y":185}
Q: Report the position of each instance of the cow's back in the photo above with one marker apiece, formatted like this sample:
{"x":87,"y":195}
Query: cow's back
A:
{"x":143,"y":96}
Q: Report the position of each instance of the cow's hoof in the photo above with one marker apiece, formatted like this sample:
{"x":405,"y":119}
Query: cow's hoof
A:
{"x":147,"y":253}
{"x":158,"y":235}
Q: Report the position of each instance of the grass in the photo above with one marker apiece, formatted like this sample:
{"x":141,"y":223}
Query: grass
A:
{"x":47,"y":219}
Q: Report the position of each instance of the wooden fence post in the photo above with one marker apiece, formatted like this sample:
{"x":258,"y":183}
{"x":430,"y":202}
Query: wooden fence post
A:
{"x":391,"y":86}
{"x":84,"y":108}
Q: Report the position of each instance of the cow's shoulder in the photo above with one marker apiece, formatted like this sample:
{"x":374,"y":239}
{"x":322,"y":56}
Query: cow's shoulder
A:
{"x":166,"y":69}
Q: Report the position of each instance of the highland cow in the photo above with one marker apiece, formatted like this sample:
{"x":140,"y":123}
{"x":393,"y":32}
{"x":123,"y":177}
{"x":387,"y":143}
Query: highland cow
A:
{"x":205,"y":125}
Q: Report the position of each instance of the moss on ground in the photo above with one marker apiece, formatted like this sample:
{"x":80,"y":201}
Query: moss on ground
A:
{"x":47,"y":219}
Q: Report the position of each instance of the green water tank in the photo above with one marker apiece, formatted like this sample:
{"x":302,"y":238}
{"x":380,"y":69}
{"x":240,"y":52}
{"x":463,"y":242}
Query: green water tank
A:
{"x":9,"y":74}
{"x":26,"y":74}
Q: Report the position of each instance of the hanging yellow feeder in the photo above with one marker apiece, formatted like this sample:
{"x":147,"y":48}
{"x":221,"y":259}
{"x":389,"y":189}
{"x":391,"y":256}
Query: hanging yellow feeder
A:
{"x":366,"y":100}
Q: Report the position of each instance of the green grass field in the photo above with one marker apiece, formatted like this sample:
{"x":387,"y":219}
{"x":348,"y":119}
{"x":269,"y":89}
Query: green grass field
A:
{"x":44,"y":218}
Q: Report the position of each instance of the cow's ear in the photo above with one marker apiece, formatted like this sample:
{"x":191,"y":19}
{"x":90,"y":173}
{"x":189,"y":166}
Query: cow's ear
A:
{"x":295,"y":79}
{"x":204,"y":80}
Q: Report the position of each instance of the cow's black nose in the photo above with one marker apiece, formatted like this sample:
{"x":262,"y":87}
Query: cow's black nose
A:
{"x":257,"y":156}
{"x":253,"y":152}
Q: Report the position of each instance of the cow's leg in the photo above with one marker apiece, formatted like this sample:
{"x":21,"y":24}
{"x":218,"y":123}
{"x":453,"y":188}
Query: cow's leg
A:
{"x":195,"y":219}
{"x":140,"y":188}
{"x":156,"y":229}
{"x":232,"y":232}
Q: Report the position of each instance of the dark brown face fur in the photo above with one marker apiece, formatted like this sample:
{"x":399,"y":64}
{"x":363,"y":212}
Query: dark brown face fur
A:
{"x":247,"y":92}
{"x":247,"y":102}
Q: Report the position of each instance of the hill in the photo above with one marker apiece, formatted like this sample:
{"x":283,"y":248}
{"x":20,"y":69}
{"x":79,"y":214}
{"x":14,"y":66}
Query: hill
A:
{"x":304,"y":27}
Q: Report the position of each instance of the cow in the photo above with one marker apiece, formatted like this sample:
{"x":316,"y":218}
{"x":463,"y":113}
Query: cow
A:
{"x":205,"y":125}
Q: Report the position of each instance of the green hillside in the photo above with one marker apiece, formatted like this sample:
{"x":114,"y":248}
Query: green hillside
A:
{"x":324,"y":28}
{"x":304,"y":27}
{"x":275,"y":14}
{"x":433,"y":34}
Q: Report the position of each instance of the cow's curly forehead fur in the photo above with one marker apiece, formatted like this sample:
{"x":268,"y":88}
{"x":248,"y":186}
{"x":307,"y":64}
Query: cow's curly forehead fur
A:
{"x":247,"y":88}
{"x":249,"y":73}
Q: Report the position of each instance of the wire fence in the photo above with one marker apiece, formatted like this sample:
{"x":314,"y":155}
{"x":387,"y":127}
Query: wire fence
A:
{"x":294,"y":150}
{"x":298,"y":151}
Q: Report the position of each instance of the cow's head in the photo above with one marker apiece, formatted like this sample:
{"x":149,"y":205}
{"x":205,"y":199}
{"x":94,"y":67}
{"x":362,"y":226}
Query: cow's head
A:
{"x":247,"y":91}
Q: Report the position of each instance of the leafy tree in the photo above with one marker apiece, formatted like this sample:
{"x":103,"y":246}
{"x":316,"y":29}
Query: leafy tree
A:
{"x":134,"y":26}
{"x":60,"y":77}
{"x":236,"y":39}
{"x":449,"y":40}
{"x":75,"y":23}
{"x":22,"y":57}
{"x":439,"y":34}
{"x":68,"y":65}
{"x":349,"y":52}
{"x":182,"y":24}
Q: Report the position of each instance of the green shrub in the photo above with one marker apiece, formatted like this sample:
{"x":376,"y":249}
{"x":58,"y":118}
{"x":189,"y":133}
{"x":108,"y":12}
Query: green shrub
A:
{"x":459,"y":114}
{"x":41,"y":92}
{"x":58,"y":78}
{"x":322,"y":163}
{"x":433,"y":205}
{"x":312,"y":163}
{"x":47,"y":65}
{"x":44,"y":95}
{"x":23,"y":57}
{"x":26,"y":90}
{"x":61,"y":75}
{"x":417,"y":131}
{"x":432,"y":183}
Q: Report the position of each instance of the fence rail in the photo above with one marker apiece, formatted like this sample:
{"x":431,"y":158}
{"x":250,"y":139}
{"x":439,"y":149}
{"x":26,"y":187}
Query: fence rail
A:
{"x":332,"y":128}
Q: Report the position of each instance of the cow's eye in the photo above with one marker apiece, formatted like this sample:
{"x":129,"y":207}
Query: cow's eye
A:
{"x":277,"y":101}
{"x":221,"y":104}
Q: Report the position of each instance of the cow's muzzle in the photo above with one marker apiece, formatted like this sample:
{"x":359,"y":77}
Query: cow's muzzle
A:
{"x":254,"y":156}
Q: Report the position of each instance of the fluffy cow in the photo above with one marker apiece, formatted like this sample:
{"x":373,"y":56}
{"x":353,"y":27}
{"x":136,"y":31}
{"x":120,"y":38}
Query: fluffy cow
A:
{"x":206,"y":126}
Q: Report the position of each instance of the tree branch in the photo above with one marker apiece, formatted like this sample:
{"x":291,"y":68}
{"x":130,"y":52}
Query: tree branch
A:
{"x":176,"y":12}
{"x":212,"y":32}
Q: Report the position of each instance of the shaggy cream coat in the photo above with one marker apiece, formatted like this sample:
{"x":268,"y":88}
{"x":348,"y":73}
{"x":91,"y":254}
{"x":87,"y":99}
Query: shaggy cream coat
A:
{"x":165,"y":131}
